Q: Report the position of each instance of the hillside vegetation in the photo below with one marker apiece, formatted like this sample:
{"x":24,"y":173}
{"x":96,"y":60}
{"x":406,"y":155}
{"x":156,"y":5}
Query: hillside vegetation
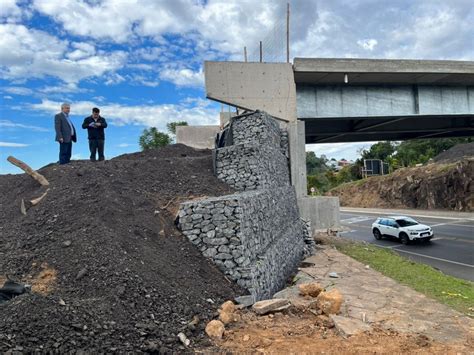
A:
{"x":434,"y":186}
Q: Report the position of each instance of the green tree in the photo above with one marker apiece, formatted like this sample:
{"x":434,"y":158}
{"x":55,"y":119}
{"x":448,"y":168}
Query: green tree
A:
{"x":314,"y":164}
{"x":417,"y":151}
{"x":380,"y":150}
{"x":171,"y":126}
{"x":152,"y":138}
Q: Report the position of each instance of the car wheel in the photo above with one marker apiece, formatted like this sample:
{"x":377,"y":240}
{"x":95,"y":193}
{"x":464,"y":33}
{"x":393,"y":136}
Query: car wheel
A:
{"x":404,"y":238}
{"x":377,"y":234}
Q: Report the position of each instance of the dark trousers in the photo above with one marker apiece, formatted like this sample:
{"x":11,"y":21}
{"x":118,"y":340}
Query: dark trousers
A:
{"x":96,"y":145}
{"x":65,"y":151}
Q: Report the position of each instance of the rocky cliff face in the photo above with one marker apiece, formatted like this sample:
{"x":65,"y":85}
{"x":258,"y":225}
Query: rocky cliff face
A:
{"x":434,"y":186}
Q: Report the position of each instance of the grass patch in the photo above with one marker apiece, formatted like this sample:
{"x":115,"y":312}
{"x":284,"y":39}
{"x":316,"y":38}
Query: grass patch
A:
{"x":454,"y":292}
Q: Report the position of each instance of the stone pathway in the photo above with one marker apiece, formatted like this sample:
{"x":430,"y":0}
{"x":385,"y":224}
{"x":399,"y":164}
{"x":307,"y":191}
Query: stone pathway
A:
{"x":377,"y":300}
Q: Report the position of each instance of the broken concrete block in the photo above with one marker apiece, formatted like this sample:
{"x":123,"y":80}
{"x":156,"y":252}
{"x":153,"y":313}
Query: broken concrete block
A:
{"x":312,"y":289}
{"x":349,"y":326}
{"x":215,"y":329}
{"x":267,"y":306}
{"x":329,"y":302}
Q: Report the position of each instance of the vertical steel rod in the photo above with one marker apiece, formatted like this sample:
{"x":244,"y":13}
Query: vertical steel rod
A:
{"x":288,"y":34}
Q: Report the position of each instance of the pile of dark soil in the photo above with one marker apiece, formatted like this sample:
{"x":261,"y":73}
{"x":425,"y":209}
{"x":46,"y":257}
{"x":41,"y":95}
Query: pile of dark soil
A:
{"x":108,"y":269}
{"x":456,"y":153}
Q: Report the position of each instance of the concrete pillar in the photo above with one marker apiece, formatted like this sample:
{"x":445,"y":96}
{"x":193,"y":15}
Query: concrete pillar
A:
{"x":296,"y":139}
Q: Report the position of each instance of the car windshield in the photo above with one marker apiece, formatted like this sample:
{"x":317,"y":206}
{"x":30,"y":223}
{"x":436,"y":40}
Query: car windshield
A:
{"x":406,"y":222}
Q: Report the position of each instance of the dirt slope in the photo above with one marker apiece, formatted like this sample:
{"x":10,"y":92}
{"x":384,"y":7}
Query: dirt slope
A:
{"x":434,"y":186}
{"x":104,"y":278}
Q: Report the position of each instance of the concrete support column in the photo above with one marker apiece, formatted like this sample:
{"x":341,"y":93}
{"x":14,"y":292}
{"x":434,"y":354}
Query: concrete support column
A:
{"x":296,"y":139}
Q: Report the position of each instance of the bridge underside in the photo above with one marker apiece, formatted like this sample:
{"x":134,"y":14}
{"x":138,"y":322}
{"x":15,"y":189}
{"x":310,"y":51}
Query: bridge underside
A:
{"x":376,"y":128}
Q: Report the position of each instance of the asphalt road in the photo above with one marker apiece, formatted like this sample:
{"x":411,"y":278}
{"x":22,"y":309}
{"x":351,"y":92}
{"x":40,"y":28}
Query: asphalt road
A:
{"x":451,"y":250}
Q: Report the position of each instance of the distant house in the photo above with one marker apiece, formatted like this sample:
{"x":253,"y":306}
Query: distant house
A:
{"x":343,"y":162}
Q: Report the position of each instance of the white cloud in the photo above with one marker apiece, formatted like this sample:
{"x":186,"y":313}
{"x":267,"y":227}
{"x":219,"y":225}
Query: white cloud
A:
{"x":10,"y":11}
{"x":125,"y":145}
{"x":13,"y":145}
{"x":183,"y":77}
{"x":27,"y":53}
{"x":225,"y":25}
{"x":18,"y":90}
{"x":368,"y":44}
{"x":7,"y":97}
{"x":195,"y":112}
{"x":439,"y":32}
{"x":14,"y":125}
{"x":120,"y":21}
{"x":65,"y":88}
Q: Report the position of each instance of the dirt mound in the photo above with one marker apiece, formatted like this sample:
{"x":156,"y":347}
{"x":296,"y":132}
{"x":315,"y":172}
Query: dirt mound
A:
{"x":458,"y":152}
{"x":109,"y":271}
{"x":434,"y":186}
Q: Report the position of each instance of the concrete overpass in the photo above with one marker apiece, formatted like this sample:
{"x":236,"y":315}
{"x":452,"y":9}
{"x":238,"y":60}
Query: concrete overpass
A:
{"x":350,"y":100}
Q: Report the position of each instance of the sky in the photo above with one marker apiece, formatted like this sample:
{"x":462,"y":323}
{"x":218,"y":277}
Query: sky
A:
{"x":141,"y":61}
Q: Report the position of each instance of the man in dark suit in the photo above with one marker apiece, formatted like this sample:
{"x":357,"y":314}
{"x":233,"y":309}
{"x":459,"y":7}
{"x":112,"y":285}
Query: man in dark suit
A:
{"x":95,"y":125}
{"x":65,"y":133}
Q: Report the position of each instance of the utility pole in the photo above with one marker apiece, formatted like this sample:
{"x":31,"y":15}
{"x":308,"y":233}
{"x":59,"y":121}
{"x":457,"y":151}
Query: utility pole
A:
{"x":245,"y":54}
{"x":261,"y":53}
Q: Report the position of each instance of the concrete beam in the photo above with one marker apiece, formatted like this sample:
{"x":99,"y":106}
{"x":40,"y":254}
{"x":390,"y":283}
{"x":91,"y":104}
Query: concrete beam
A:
{"x":296,"y":139}
{"x":200,"y":137}
{"x":323,"y":212}
{"x":383,"y":71}
{"x":269,"y":87}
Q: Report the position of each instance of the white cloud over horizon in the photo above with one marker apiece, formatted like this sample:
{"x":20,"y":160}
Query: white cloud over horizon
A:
{"x":194,"y":112}
{"x":13,"y":145}
{"x":7,"y":124}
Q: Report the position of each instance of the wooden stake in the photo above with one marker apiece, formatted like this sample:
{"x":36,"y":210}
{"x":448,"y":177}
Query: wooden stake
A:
{"x":37,"y":200}
{"x":22,"y":207}
{"x":35,"y":175}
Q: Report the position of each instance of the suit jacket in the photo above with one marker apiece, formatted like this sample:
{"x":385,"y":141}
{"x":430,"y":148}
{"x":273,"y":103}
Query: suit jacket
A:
{"x":63,"y":130}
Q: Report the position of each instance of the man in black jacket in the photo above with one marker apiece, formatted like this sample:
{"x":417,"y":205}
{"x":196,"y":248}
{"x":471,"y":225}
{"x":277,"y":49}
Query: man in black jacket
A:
{"x":95,"y":125}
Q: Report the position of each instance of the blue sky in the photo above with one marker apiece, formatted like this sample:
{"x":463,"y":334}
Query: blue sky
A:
{"x":141,"y":61}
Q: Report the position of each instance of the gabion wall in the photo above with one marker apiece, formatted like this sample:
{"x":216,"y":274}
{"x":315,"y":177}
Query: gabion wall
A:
{"x":256,"y":128}
{"x":256,"y":237}
{"x":248,"y":166}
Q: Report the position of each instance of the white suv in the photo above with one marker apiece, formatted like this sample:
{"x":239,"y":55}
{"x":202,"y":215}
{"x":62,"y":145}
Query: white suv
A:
{"x":404,"y":228}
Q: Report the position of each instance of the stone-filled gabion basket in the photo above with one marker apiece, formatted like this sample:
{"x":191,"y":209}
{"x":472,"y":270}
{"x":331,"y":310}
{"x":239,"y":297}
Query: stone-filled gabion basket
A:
{"x":256,"y":236}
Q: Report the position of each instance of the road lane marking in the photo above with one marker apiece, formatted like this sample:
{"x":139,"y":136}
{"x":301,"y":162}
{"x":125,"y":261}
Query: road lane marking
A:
{"x":385,"y":213}
{"x":355,"y":219}
{"x":432,"y":257}
{"x":453,"y":224}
